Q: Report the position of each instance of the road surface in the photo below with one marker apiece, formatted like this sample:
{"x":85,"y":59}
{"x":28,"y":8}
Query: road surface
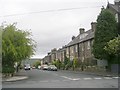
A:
{"x":62,"y":79}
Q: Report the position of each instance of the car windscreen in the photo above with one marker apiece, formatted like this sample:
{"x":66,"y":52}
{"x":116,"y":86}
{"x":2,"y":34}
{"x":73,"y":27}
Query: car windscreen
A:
{"x":27,"y":65}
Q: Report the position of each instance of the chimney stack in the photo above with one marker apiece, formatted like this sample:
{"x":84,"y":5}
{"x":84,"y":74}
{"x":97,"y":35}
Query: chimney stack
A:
{"x":54,"y":50}
{"x":49,"y":53}
{"x":93,"y":26}
{"x":81,"y":30}
{"x":73,"y":37}
{"x":117,"y":2}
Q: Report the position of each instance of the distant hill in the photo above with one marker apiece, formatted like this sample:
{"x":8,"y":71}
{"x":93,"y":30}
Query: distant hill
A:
{"x":31,"y":61}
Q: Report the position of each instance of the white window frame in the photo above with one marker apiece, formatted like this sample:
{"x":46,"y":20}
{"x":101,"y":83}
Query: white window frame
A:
{"x":67,"y":50}
{"x":88,"y":45}
{"x":72,"y":50}
{"x":116,"y":16}
{"x":83,"y":58}
{"x":82,"y":47}
{"x":76,"y":48}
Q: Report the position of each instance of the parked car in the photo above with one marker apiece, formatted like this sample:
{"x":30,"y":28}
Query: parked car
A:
{"x":52,"y":68}
{"x":39,"y":67}
{"x":27,"y":67}
{"x":44,"y":67}
{"x":33,"y":67}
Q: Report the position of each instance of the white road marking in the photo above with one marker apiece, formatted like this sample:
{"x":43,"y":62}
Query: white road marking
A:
{"x":107,"y":78}
{"x":75,"y":79}
{"x":115,"y":77}
{"x":87,"y":78}
{"x":70,"y":78}
{"x":97,"y":78}
{"x":66,"y":77}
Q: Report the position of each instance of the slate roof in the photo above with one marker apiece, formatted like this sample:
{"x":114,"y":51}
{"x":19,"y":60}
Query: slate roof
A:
{"x":115,"y":7}
{"x":89,"y":35}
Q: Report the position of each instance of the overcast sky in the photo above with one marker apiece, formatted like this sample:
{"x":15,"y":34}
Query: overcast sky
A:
{"x":52,"y":22}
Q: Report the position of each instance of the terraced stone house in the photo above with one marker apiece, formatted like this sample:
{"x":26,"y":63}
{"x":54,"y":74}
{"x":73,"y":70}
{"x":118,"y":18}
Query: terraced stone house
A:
{"x":80,"y":47}
{"x":60,"y":54}
{"x":115,"y":9}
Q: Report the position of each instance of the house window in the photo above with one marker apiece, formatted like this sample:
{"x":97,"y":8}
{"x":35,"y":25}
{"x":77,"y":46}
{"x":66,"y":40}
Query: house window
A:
{"x":76,"y":48}
{"x":71,"y":58}
{"x":82,"y":47}
{"x":92,"y":42}
{"x":83,"y":59}
{"x":72,"y":49}
{"x":67,"y":50}
{"x":88,"y":46}
{"x":116,"y":16}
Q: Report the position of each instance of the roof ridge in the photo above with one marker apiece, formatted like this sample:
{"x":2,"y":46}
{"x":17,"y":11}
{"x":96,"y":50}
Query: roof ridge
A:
{"x":78,"y":39}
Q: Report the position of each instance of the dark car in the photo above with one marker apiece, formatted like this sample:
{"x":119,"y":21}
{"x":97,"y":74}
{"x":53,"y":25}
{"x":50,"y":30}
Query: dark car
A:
{"x":52,"y":68}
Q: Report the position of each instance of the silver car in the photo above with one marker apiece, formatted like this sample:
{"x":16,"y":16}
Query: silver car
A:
{"x":52,"y":68}
{"x":44,"y":67}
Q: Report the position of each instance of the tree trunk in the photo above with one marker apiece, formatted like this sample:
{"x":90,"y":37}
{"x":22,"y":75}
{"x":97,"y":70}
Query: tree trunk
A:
{"x":82,"y":68}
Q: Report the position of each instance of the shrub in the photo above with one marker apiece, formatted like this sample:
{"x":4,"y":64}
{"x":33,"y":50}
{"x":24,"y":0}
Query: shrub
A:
{"x":7,"y":70}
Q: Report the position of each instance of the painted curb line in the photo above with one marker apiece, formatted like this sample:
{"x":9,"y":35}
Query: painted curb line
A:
{"x":13,"y":79}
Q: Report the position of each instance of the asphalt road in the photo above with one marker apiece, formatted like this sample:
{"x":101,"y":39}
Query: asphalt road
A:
{"x":62,"y":79}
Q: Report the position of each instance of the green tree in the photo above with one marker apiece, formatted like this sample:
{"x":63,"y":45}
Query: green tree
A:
{"x":0,"y":42}
{"x":63,"y":66}
{"x":69,"y":64}
{"x":36,"y":64}
{"x":113,"y":47}
{"x":75,"y":63}
{"x":58,"y":64}
{"x":66,"y":60}
{"x":17,"y":45}
{"x":53,"y":62}
{"x":106,"y":30}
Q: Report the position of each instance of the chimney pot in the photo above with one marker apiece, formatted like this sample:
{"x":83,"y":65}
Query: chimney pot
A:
{"x":117,"y":2}
{"x":93,"y":26}
{"x":81,"y":30}
{"x":73,"y":37}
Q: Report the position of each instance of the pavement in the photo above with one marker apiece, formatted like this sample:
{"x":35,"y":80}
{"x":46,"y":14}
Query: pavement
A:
{"x":105,"y":74}
{"x":21,"y":75}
